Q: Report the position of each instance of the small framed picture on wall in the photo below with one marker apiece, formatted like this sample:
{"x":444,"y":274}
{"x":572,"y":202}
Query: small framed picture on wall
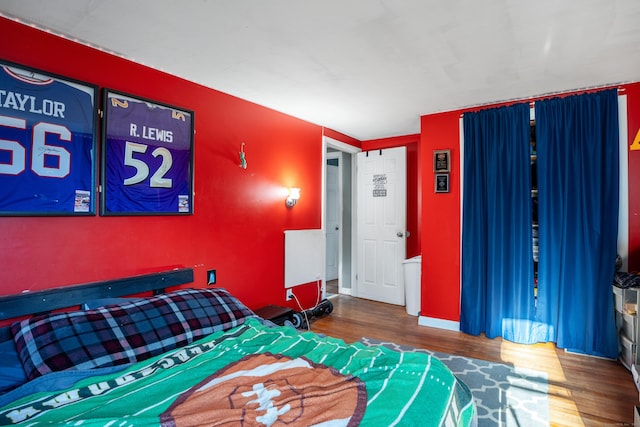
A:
{"x":441,"y":161}
{"x":442,"y":183}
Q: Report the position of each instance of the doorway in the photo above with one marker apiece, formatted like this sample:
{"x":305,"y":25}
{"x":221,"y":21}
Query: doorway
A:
{"x":348,"y":256}
{"x":338,"y":181}
{"x":333,"y":226}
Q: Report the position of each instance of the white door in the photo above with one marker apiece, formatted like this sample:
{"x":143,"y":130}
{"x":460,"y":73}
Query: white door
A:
{"x":333,"y":216}
{"x":381,"y":216}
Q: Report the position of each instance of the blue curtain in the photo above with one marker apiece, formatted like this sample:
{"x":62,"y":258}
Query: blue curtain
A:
{"x":577,"y":150}
{"x":497,"y":260}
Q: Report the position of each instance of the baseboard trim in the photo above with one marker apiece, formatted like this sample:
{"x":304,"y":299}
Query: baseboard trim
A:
{"x":439,"y":323}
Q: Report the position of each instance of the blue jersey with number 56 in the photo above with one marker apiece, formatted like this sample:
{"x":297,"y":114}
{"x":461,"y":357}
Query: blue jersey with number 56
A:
{"x":47,"y":136}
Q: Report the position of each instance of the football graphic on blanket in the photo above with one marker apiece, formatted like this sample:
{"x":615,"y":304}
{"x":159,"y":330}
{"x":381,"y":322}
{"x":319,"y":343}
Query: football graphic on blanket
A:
{"x":271,"y":390}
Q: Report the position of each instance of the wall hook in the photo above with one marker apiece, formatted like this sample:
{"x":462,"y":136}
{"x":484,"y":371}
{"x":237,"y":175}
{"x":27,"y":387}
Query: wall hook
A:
{"x":243,"y":159}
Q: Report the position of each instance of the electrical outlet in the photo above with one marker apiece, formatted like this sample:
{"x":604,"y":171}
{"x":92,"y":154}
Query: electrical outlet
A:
{"x":211,"y":277}
{"x":289,"y":294}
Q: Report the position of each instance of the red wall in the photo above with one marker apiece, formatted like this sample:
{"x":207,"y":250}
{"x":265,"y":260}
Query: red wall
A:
{"x":440,"y":297}
{"x":341,"y":137}
{"x":441,"y":226}
{"x":240,"y":215}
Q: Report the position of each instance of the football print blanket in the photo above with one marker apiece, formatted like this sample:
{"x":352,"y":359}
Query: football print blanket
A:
{"x":254,"y":375}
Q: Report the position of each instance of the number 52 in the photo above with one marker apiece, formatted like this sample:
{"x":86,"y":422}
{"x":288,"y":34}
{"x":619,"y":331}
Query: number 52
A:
{"x":158,"y":179}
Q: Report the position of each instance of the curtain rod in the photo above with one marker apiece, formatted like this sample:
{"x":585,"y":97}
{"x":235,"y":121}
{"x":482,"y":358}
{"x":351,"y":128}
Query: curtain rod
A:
{"x":532,"y":99}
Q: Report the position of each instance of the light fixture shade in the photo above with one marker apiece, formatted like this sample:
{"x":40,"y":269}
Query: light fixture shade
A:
{"x":294,"y":195}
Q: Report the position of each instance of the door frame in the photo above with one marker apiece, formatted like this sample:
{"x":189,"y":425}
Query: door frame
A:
{"x":328,"y":142}
{"x":337,"y":155}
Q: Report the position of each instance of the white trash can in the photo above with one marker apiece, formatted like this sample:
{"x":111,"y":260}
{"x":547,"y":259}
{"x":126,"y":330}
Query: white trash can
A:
{"x":412,"y":273}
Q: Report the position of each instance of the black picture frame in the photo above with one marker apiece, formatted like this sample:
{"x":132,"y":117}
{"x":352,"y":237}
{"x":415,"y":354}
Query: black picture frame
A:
{"x":441,"y":183}
{"x":147,"y":157}
{"x":48,"y":130}
{"x":441,"y":161}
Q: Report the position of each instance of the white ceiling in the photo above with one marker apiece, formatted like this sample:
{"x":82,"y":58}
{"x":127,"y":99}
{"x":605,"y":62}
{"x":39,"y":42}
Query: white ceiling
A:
{"x":366,"y":68}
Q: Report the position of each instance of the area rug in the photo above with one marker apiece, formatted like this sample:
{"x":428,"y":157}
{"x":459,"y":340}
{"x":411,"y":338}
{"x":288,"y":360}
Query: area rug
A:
{"x":505,"y":395}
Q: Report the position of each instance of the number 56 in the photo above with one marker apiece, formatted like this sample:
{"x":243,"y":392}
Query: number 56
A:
{"x":39,"y":150}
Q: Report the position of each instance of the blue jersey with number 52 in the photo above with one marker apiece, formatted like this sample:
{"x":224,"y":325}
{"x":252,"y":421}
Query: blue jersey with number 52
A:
{"x":147,"y":157}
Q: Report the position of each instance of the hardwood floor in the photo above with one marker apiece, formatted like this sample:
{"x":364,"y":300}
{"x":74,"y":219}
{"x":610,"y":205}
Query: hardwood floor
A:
{"x":583,"y":391}
{"x":332,"y":287}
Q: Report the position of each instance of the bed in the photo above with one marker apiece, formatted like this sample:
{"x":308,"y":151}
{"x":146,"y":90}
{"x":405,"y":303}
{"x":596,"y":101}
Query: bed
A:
{"x":192,"y":357}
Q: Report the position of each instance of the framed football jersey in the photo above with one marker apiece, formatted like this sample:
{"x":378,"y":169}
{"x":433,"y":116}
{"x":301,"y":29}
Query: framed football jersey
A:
{"x":48,"y":134}
{"x":147,"y":157}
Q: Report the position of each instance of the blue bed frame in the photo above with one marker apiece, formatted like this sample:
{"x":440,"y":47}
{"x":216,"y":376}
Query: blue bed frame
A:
{"x":39,"y":302}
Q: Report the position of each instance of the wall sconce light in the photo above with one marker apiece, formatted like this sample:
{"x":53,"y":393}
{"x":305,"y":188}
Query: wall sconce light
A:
{"x":294,"y":195}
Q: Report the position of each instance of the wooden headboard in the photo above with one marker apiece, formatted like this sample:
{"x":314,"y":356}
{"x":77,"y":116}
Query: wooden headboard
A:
{"x":44,"y":301}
